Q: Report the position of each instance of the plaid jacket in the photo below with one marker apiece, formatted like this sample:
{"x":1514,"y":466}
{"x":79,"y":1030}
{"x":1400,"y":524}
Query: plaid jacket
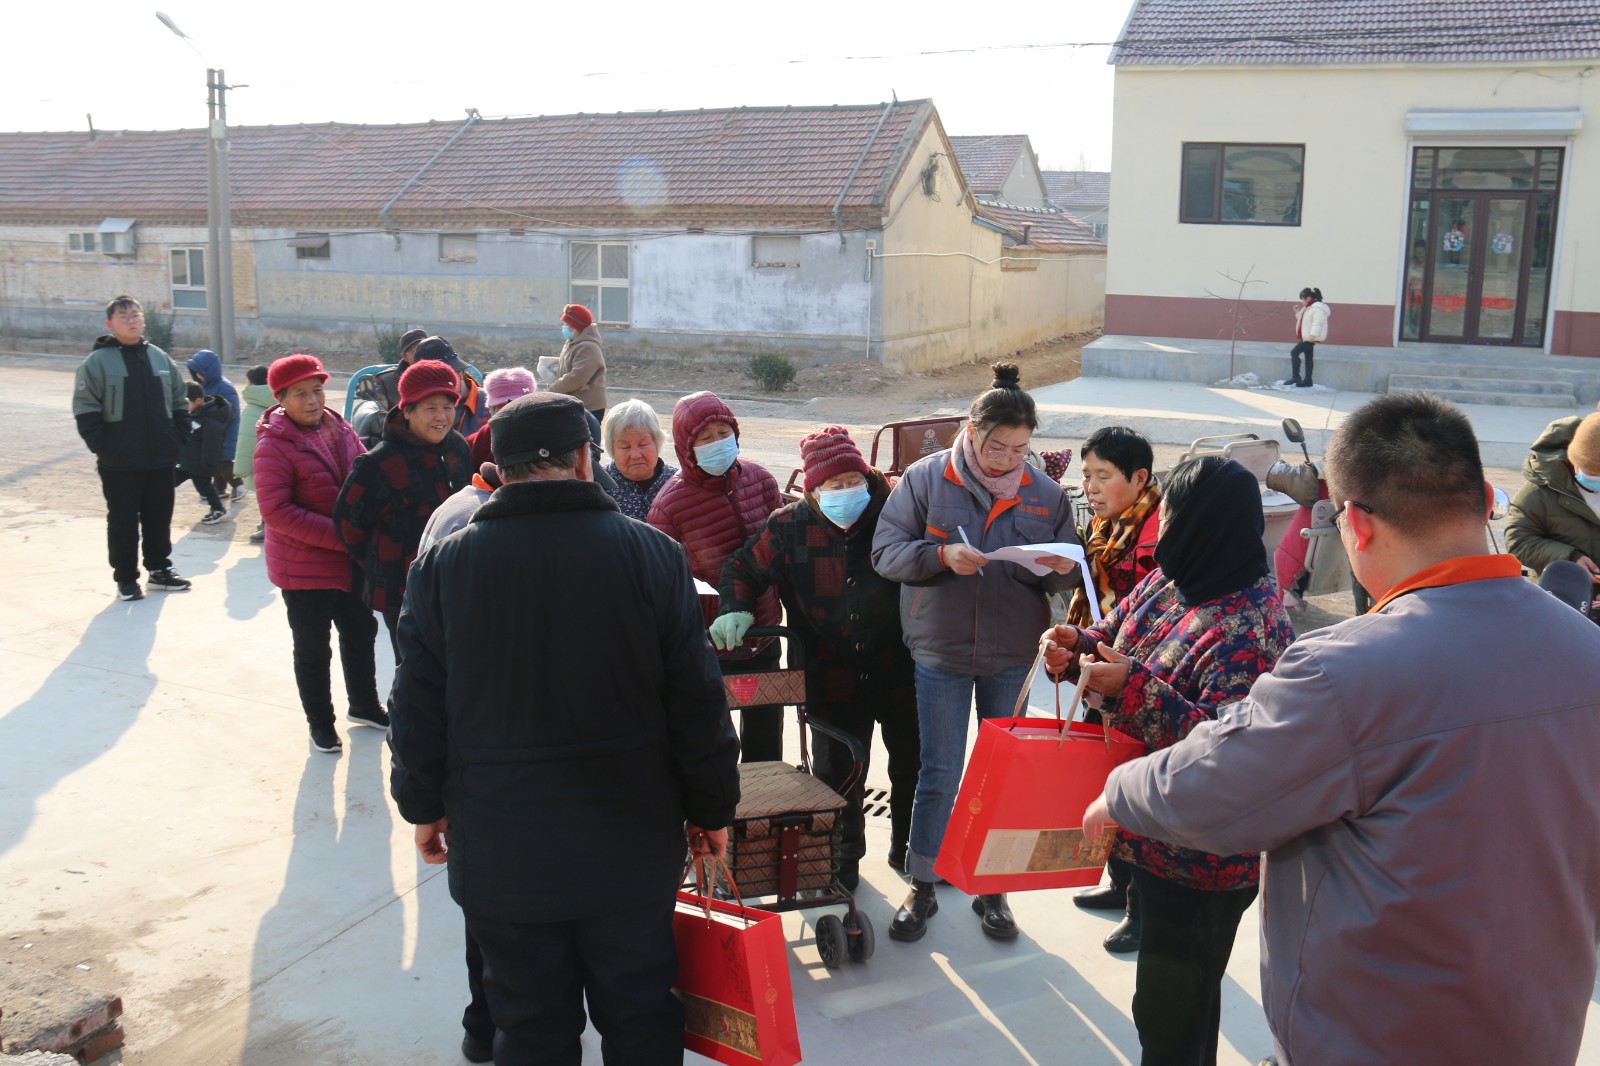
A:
{"x":386,"y":501}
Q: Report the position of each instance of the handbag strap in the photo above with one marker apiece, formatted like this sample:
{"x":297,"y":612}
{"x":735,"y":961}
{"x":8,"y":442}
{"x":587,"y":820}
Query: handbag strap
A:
{"x":1021,"y":709}
{"x":705,"y":880}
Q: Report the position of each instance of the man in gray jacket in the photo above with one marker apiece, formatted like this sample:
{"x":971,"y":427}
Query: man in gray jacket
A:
{"x":1421,"y":779}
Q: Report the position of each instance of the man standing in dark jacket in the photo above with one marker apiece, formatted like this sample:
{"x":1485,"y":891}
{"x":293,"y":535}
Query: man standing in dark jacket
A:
{"x":133,"y":413}
{"x":562,"y":730}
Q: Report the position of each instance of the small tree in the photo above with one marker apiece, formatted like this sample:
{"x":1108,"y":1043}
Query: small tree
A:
{"x":772,"y":372}
{"x":1240,"y":317}
{"x":388,"y":338}
{"x":158,"y":329}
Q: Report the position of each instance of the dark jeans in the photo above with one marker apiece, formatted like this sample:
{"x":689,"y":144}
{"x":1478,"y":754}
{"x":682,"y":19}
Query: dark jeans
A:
{"x":138,"y":514}
{"x":1309,"y":350}
{"x":391,"y":622}
{"x":311,"y":613}
{"x":538,"y":975}
{"x":760,"y":728}
{"x":477,"y":1019}
{"x":1185,"y":943}
{"x":832,"y":763}
{"x":202,"y":483}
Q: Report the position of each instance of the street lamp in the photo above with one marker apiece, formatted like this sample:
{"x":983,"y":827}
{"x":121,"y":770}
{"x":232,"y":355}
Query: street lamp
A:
{"x":219,"y":211}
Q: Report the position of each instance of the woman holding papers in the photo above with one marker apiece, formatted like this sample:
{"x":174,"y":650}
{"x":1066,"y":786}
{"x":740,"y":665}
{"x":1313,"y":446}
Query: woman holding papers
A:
{"x":971,"y":623}
{"x":1191,"y":638}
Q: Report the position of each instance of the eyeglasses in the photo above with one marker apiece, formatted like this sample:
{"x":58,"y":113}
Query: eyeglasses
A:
{"x":128,"y":316}
{"x":1352,"y":503}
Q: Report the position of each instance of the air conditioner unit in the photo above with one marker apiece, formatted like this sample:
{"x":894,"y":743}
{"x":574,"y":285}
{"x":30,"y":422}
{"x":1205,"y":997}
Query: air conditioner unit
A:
{"x":116,"y":236}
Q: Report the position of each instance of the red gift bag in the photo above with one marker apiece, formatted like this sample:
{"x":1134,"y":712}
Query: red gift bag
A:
{"x":733,"y":979}
{"x":1018,"y":817}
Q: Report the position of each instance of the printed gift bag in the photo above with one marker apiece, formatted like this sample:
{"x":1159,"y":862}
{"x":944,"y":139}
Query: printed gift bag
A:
{"x":733,"y":979}
{"x":1018,"y":817}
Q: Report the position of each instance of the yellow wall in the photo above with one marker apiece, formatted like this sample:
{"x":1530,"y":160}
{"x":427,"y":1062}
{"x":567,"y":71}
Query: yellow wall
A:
{"x":1357,"y":163}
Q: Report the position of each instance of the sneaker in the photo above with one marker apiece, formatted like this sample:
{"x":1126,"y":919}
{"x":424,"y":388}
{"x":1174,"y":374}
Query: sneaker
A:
{"x":1291,"y":602}
{"x":260,"y":535}
{"x":213,"y":517}
{"x":240,"y":492}
{"x":376,"y":717}
{"x":323,"y":738}
{"x":129,"y":590}
{"x":168,"y":580}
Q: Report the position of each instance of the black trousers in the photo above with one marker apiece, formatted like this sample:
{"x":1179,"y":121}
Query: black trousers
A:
{"x":391,"y":622}
{"x":477,"y":1019}
{"x":138,"y":514}
{"x":538,"y":975}
{"x":760,"y":728}
{"x":202,"y":483}
{"x":832,"y":763}
{"x":1307,"y":349}
{"x":1186,"y":940}
{"x":311,"y":613}
{"x":226,"y":480}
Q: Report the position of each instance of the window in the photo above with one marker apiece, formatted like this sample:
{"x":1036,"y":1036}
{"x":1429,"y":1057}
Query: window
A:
{"x":773,"y":250}
{"x":1256,"y":184}
{"x":310,"y":246}
{"x":599,"y":274}
{"x":458,"y":248}
{"x":189,"y":278}
{"x":81,"y":242}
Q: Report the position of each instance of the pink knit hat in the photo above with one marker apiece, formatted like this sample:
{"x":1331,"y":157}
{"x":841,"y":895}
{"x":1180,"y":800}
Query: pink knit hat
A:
{"x":828,"y":453}
{"x":507,"y":384}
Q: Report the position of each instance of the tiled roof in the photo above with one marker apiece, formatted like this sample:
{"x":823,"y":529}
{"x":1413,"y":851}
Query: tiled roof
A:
{"x":1276,"y":32}
{"x":986,"y":161}
{"x":1047,"y":230}
{"x":760,"y":164}
{"x":1079,"y":190}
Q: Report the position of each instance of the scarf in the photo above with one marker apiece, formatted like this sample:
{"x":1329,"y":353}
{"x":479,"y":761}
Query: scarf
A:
{"x":1004,"y":487}
{"x":1111,"y":543}
{"x":1211,"y":546}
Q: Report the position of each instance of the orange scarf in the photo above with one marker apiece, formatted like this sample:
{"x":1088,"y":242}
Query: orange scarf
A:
{"x":1110,"y":542}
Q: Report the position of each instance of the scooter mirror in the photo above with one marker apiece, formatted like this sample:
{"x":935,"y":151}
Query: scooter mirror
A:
{"x":1292,"y":430}
{"x":1501,"y":506}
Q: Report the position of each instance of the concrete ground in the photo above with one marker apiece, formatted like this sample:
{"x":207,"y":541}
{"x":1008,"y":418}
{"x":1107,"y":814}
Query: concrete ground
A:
{"x":164,"y":824}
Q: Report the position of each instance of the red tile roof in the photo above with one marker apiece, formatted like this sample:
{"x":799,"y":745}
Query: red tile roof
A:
{"x":1047,"y":230}
{"x":986,"y":161}
{"x":785,"y":165}
{"x":1277,"y":32}
{"x":1078,"y":190}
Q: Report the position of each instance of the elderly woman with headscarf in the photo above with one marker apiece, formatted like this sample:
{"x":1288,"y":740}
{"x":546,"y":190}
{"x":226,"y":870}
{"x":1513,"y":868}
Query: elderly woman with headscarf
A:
{"x":1191,"y":638}
{"x":631,"y":435}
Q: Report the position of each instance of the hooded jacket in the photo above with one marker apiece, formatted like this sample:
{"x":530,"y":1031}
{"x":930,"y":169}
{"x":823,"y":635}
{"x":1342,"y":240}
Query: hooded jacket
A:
{"x":974,"y":625}
{"x":1550,"y":520}
{"x":1311,"y":323}
{"x":207,"y":370}
{"x":296,"y":488}
{"x":386,"y":501}
{"x":131,"y":406}
{"x":712,"y":517}
{"x":258,"y":400}
{"x":202,"y":454}
{"x":582,"y":369}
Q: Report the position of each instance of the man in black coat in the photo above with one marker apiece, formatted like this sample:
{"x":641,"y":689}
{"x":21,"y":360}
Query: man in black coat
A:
{"x":559,"y":725}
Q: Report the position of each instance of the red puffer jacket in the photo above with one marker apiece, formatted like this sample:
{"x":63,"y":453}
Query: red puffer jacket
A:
{"x":296,"y":488}
{"x":713,"y":517}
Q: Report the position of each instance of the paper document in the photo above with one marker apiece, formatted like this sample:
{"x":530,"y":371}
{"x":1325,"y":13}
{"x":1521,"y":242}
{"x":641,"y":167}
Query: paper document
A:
{"x":1027,"y":555}
{"x":703,"y":588}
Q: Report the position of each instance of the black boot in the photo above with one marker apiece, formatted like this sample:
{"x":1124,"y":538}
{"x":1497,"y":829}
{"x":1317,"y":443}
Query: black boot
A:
{"x":897,"y":855}
{"x":1112,"y":897}
{"x":1125,"y":937}
{"x":997,"y":920}
{"x":911,"y":920}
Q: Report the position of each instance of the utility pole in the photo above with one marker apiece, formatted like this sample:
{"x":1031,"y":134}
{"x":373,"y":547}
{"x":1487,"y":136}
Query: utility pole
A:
{"x":219,"y":217}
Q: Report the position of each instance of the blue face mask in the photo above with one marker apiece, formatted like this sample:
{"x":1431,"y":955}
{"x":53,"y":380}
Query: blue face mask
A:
{"x":715,"y":458}
{"x":566,"y":332}
{"x":843,"y":506}
{"x":1588,"y":481}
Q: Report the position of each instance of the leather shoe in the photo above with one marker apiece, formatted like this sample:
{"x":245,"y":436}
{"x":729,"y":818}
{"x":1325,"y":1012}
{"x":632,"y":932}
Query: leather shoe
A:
{"x":911,"y":920}
{"x":474,"y":1050}
{"x":1104,"y":898}
{"x":898,"y":854}
{"x":1125,"y":937}
{"x":997,"y":920}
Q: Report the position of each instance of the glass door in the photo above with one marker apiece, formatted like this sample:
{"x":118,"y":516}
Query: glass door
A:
{"x":1452,"y":268}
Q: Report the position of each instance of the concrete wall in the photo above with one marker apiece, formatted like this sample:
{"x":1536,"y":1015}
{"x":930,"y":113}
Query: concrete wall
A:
{"x":1024,"y":186}
{"x":1357,"y":165}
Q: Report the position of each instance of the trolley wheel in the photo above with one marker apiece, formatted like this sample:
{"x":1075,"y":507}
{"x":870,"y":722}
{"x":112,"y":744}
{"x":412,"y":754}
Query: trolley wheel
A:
{"x":861,"y":942}
{"x":831,"y":941}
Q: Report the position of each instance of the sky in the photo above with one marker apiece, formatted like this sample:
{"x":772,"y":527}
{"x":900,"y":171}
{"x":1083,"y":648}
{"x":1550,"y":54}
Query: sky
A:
{"x":299,"y":61}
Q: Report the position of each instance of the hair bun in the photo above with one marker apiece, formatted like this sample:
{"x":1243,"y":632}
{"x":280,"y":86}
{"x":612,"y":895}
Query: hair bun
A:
{"x":1007,"y":376}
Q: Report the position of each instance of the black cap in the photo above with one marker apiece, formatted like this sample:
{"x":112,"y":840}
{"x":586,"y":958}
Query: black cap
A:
{"x":438,"y":349}
{"x":536,"y":427}
{"x":411,"y":336}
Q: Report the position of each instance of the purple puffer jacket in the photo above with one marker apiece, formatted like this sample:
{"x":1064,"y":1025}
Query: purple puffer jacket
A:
{"x":296,"y":489}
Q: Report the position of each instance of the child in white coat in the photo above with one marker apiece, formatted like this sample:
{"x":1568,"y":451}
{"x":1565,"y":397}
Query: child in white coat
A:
{"x":1310,"y":328}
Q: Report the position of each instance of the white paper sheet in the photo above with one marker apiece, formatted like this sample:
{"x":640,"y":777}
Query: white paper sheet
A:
{"x":703,"y":588}
{"x":1027,"y":555}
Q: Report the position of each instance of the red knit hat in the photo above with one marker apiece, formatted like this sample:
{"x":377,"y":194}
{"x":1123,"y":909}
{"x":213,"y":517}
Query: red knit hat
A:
{"x":428,"y":377}
{"x":828,"y":453}
{"x":293,"y":369}
{"x":577,"y":316}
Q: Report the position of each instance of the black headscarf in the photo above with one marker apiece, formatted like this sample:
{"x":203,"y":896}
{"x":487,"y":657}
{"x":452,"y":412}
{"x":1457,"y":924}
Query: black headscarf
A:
{"x":1210,"y":541}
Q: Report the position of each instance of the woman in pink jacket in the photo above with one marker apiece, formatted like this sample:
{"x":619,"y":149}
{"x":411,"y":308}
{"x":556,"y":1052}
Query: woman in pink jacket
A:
{"x":303,"y":455}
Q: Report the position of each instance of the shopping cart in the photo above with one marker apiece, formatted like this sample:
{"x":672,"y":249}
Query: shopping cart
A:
{"x":784,"y":843}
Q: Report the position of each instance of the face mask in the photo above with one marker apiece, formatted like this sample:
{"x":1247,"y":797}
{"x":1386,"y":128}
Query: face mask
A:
{"x":1588,"y":481}
{"x":716,"y":457}
{"x":566,"y":332}
{"x":843,"y":506}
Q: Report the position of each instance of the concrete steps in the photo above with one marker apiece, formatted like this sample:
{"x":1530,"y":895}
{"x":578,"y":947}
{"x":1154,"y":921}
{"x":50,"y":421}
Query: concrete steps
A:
{"x":1487,"y":389}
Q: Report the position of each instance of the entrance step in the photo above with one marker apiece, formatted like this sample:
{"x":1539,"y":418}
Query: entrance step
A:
{"x":1472,"y":388}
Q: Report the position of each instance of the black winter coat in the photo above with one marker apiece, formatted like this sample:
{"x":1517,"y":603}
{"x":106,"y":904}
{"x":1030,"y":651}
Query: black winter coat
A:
{"x":558,"y":701}
{"x":202,"y":453}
